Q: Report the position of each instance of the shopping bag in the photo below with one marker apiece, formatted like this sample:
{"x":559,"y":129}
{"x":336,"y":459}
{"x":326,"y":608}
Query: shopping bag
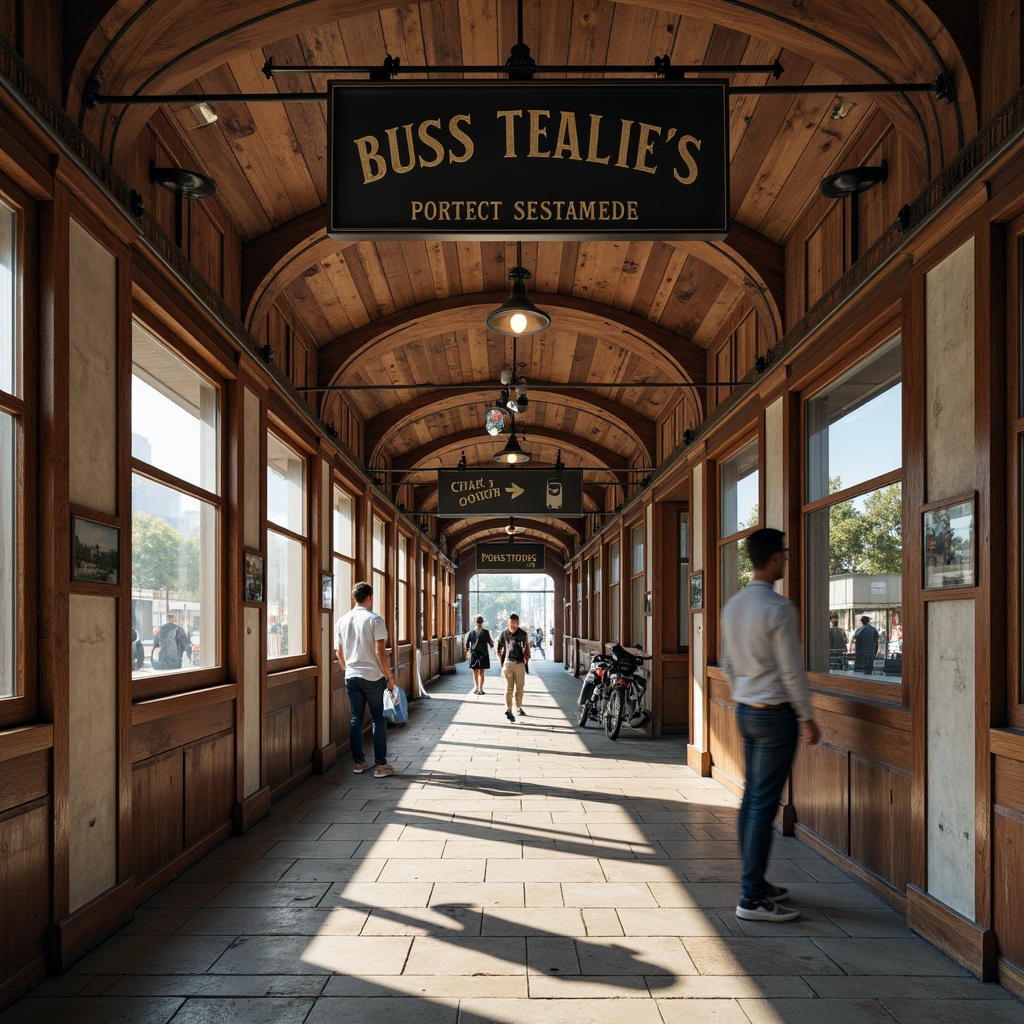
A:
{"x":396,"y":706}
{"x":390,"y":715}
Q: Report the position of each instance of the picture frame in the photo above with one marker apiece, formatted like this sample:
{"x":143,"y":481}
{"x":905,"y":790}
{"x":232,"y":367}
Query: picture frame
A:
{"x":95,"y":552}
{"x":949,"y":546}
{"x":252,"y":577}
{"x":697,"y":591}
{"x":326,"y":591}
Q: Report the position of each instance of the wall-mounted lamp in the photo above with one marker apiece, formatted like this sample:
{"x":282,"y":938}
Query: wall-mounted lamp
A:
{"x":187,"y":184}
{"x":856,"y":179}
{"x":517,"y":314}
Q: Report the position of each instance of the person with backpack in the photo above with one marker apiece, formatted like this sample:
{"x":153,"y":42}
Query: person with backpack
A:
{"x":477,"y":642}
{"x":170,"y":644}
{"x":514,"y":652}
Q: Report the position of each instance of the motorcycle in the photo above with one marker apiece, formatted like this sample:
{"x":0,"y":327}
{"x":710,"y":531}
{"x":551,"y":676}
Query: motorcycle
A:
{"x":624,"y":693}
{"x":592,"y":691}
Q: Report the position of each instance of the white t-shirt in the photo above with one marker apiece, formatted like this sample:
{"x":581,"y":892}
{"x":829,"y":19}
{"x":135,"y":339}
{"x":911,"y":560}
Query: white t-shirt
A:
{"x":356,"y":635}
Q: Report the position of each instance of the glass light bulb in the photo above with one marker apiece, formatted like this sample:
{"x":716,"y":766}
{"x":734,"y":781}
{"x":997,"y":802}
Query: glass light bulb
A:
{"x":512,"y":457}
{"x":518,"y":322}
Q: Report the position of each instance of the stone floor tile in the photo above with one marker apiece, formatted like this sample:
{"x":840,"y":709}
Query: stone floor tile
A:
{"x":812,"y":1011}
{"x":642,"y":870}
{"x":552,"y":955}
{"x":282,"y":894}
{"x":601,"y":921}
{"x":960,"y":1011}
{"x":862,"y":922}
{"x":324,"y":849}
{"x":707,"y":1011}
{"x":101,"y":1010}
{"x":244,"y":1011}
{"x":757,"y":956}
{"x":811,"y":922}
{"x":541,"y":870}
{"x":477,"y":894}
{"x":526,"y":921}
{"x":154,"y":954}
{"x":907,"y":957}
{"x":318,"y":954}
{"x":475,"y":955}
{"x":556,"y":1011}
{"x":157,"y":920}
{"x":368,"y":895}
{"x":482,"y":849}
{"x":433,"y":871}
{"x":965,"y":988}
{"x":439,"y":920}
{"x":314,"y":869}
{"x":634,"y":955}
{"x":375,"y":830}
{"x":544,"y":894}
{"x":185,"y":894}
{"x":673,"y":921}
{"x":608,"y":894}
{"x":385,"y":1009}
{"x":387,"y":849}
{"x":870,"y":987}
{"x":577,"y":987}
{"x":729,"y":987}
{"x":274,"y":921}
{"x":430,"y":986}
{"x":224,"y":870}
{"x":218,"y":985}
{"x":244,"y":848}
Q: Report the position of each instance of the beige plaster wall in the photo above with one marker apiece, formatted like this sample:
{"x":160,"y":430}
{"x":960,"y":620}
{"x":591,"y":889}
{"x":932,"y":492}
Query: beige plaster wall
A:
{"x":253,"y":705}
{"x":697,"y":655}
{"x":252,"y":478}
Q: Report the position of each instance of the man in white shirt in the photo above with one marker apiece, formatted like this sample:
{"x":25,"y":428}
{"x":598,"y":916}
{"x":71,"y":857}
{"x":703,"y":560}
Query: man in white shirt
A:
{"x":361,"y":642}
{"x":763,"y":661}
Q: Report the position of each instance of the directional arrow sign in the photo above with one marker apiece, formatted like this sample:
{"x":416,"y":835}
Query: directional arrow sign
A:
{"x":510,"y":492}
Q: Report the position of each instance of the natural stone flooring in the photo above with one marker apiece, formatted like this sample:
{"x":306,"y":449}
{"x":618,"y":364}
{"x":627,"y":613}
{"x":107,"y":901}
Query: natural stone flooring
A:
{"x":532,"y":872}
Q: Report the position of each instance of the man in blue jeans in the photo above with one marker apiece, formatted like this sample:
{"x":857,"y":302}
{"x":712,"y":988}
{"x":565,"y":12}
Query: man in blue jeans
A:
{"x":763,"y":661}
{"x":361,"y":643}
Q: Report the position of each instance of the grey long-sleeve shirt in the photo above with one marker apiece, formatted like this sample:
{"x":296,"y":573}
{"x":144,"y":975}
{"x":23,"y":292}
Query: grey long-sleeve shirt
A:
{"x":761,"y":653}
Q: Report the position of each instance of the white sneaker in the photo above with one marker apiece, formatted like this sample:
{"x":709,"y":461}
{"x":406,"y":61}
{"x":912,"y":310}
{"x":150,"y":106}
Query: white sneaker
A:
{"x":764,"y":910}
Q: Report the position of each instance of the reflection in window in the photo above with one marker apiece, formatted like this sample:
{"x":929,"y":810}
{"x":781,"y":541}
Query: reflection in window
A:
{"x":854,"y":546}
{"x":344,"y":552}
{"x":739,"y":516}
{"x":286,"y":550}
{"x":683,"y":580}
{"x":176,"y":522}
{"x":614,"y":592}
{"x":8,"y":555}
{"x":636,"y":586}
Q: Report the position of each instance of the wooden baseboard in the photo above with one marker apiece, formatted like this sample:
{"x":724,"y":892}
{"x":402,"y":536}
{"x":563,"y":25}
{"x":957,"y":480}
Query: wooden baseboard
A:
{"x":174,"y":867}
{"x":253,"y":808}
{"x":284,"y":788}
{"x":70,"y":939}
{"x":966,"y":941}
{"x":728,"y":781}
{"x":15,"y":985}
{"x":1010,"y":976}
{"x":879,"y":886}
{"x":325,"y":758}
{"x":698,"y":760}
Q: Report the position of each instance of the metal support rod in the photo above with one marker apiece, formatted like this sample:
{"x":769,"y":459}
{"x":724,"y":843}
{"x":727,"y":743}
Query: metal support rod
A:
{"x":535,"y":385}
{"x":774,"y":69}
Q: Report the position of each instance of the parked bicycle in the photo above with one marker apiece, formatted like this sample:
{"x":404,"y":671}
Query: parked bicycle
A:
{"x":592,"y":692}
{"x":624,"y":692}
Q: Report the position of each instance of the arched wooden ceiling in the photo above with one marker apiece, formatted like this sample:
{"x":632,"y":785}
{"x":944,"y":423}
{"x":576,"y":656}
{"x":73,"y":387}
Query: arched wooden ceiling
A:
{"x":624,"y":313}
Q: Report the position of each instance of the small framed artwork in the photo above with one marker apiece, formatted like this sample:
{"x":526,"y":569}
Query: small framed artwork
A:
{"x":252,"y":579}
{"x":96,"y":552}
{"x":326,"y":591}
{"x":950,"y":547}
{"x":696,"y":591}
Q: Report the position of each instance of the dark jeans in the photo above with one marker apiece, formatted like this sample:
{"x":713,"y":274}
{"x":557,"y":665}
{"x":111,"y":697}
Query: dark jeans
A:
{"x":769,"y":744}
{"x":363,"y":693}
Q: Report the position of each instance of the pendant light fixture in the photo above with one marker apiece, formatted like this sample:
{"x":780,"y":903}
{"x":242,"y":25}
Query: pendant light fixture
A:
{"x":512,"y":453}
{"x":518,"y":315}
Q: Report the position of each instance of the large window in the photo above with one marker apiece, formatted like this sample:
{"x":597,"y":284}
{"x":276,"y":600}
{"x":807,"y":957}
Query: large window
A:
{"x":595,"y":597}
{"x":402,"y":625}
{"x":683,"y":580}
{"x":379,"y":569}
{"x":636,"y":586}
{"x":12,"y":420}
{"x":853,"y":521}
{"x":176,"y":512}
{"x":344,"y":533}
{"x":738,"y":517}
{"x":614,"y":591}
{"x":286,"y":550}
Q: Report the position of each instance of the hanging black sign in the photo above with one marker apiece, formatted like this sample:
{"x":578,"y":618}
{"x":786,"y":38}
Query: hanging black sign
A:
{"x":545,"y":159}
{"x":511,"y":557}
{"x":510,"y":492}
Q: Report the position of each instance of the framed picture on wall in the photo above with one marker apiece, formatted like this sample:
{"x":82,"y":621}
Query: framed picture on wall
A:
{"x":949,"y":547}
{"x":252,"y":578}
{"x":95,"y":552}
{"x":326,"y":591}
{"x":696,"y":591}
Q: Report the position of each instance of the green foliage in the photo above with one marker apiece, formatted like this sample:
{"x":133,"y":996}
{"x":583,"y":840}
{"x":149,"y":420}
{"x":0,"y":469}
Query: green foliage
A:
{"x":868,"y":540}
{"x":155,"y":553}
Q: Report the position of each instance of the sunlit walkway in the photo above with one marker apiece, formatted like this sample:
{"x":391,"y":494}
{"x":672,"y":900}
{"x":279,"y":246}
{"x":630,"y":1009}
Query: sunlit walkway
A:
{"x":527,"y":872}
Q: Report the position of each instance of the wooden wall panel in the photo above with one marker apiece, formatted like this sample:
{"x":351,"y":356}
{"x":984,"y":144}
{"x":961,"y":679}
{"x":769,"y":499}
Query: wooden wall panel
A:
{"x":341,"y":717}
{"x":209,"y":785}
{"x":820,"y":793}
{"x":24,"y":886}
{"x":277,"y":746}
{"x":157,"y":812}
{"x":1008,"y":883}
{"x":303,"y":735}
{"x":24,"y":779}
{"x":726,"y":746}
{"x":205,"y":249}
{"x":880,"y":818}
{"x":824,"y":255}
{"x":674,"y":682}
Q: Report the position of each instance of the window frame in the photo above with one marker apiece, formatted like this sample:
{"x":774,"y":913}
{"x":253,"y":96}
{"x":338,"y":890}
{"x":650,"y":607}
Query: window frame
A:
{"x":614,"y":587}
{"x":748,"y":438}
{"x":22,"y":705}
{"x":342,"y":598}
{"x":1015,"y":474}
{"x":636,"y":601}
{"x":403,"y":562}
{"x":164,"y":684}
{"x":887,"y":689}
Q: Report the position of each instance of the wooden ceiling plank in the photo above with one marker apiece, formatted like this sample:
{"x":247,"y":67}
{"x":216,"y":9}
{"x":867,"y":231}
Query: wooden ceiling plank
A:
{"x":666,"y":286}
{"x":437,"y":268}
{"x":402,"y":31}
{"x":590,"y":33}
{"x":394,"y":265}
{"x":470,"y":269}
{"x":442,"y":33}
{"x":634,"y":257}
{"x":371,"y":280}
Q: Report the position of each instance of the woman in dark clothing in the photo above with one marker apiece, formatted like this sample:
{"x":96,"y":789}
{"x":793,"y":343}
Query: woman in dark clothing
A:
{"x":477,"y":642}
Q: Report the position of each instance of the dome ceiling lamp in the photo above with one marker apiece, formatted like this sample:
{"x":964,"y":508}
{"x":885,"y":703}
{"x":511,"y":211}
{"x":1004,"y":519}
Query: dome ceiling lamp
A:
{"x":517,"y":314}
{"x":512,"y":453}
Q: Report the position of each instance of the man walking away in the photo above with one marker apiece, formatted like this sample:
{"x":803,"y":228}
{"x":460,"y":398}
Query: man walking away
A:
{"x":514,"y":652}
{"x":763,"y":662}
{"x":361,"y":642}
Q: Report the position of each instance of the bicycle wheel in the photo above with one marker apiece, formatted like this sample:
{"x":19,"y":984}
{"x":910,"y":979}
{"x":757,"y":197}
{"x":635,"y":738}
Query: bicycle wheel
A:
{"x":613,"y":720}
{"x":584,"y":714}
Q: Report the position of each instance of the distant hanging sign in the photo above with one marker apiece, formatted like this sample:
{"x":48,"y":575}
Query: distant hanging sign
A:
{"x":544,"y":159}
{"x":510,"y":557}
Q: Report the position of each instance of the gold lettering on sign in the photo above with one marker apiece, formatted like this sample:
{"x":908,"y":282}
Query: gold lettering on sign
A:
{"x":373,"y":164}
{"x":430,"y":142}
{"x":624,"y":133}
{"x":689,"y":159}
{"x":595,"y":130}
{"x":568,"y":140}
{"x":537,"y":132}
{"x":509,"y":117}
{"x":460,"y":136}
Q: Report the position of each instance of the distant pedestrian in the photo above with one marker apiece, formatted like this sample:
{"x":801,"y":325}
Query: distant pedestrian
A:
{"x":865,"y":646}
{"x":763,"y":662}
{"x":170,"y":644}
{"x":514,"y":652}
{"x":477,"y":642}
{"x":538,"y":643}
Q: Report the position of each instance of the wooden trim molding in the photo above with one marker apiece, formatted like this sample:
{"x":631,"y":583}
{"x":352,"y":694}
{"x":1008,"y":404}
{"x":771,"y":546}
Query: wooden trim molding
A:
{"x":325,"y":758}
{"x":698,"y":760}
{"x":17,"y":984}
{"x":252,"y":809}
{"x":967,"y":942}
{"x":71,"y":938}
{"x":27,"y":739}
